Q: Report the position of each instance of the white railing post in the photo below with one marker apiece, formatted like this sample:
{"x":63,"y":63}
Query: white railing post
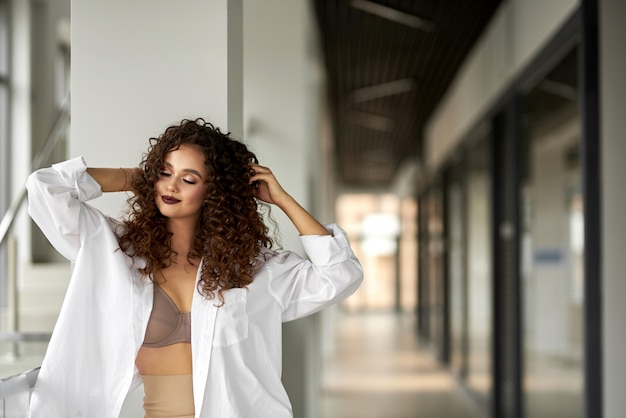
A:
{"x":14,"y":321}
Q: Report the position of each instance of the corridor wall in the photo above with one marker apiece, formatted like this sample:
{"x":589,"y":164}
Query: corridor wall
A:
{"x":481,"y":83}
{"x":612,"y":15}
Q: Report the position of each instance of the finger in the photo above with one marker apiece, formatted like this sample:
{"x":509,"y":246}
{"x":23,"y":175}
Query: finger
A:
{"x":258,"y":174}
{"x":263,"y":170}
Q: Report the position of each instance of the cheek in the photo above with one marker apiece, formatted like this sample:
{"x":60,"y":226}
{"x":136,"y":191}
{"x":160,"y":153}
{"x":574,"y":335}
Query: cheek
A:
{"x":199,"y":195}
{"x":158,"y":185}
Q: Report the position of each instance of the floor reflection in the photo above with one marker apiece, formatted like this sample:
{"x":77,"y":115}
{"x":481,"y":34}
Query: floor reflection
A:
{"x":379,"y":370}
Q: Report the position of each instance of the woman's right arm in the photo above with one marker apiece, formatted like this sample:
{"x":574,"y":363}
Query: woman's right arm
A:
{"x":114,"y":179}
{"x":56,"y":197}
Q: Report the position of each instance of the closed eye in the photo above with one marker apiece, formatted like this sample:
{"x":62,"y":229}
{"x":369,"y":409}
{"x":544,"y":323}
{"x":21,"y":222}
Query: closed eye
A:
{"x":189,"y":181}
{"x":164,"y":174}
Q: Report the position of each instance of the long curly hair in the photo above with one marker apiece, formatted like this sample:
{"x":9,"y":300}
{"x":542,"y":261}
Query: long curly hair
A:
{"x":231,"y":232}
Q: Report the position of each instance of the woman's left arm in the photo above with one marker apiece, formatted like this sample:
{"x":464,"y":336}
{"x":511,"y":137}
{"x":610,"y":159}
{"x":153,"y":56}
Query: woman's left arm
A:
{"x":270,"y":191}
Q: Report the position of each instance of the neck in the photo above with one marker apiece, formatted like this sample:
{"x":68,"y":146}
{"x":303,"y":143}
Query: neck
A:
{"x":183,"y":235}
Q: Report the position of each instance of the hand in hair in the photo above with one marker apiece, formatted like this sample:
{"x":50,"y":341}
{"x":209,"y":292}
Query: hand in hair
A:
{"x":270,"y":191}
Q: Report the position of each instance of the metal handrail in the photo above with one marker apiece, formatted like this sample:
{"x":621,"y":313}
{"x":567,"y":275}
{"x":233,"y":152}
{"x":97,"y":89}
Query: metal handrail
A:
{"x":19,"y":337}
{"x":55,"y":134}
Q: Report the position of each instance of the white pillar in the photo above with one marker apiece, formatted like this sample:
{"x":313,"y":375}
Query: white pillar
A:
{"x":138,"y":67}
{"x":280,"y":117}
{"x":20,"y":128}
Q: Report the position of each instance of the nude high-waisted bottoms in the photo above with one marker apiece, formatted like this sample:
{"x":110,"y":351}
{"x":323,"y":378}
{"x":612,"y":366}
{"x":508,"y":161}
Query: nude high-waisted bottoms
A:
{"x":168,"y":396}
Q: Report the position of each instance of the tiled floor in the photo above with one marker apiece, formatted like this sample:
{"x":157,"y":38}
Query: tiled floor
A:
{"x":378,"y":370}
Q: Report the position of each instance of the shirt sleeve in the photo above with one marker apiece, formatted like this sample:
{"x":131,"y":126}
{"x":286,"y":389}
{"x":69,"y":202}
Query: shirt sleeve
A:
{"x":331,"y":274}
{"x":56,"y":197}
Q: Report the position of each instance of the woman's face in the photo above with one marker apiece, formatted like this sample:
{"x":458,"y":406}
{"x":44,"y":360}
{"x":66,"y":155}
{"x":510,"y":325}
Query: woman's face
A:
{"x":181,"y":187}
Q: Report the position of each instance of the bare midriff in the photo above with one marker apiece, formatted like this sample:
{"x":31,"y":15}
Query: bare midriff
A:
{"x":163,"y":361}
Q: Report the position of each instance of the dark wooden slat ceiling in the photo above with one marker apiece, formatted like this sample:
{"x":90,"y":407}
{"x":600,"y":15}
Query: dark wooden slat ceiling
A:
{"x":388,"y":64}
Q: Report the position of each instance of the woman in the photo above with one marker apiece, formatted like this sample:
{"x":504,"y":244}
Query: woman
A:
{"x":186,"y":294}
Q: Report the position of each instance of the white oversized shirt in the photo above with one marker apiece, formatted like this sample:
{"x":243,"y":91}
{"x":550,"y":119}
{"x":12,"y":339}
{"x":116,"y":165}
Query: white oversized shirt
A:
{"x":89,"y":366}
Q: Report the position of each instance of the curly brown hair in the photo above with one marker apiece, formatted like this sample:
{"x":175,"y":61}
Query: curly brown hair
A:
{"x":231,"y":232}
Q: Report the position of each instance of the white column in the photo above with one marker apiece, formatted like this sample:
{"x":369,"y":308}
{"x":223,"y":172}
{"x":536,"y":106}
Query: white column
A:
{"x":20,"y":128}
{"x":280,"y":117}
{"x":138,"y":67}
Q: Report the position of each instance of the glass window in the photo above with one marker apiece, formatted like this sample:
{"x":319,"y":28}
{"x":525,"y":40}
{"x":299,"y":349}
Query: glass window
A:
{"x":431,"y":286}
{"x":457,"y":293}
{"x":436,"y":269}
{"x":372,"y":223}
{"x":479,"y":272}
{"x":407,"y":253}
{"x":552,"y":247}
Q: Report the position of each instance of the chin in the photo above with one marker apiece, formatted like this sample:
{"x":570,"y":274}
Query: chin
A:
{"x":164,"y":211}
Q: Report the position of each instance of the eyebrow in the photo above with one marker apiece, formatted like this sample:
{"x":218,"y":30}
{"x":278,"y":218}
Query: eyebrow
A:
{"x":186,"y":170}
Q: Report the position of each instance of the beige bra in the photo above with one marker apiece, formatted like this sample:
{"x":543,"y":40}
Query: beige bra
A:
{"x":167,"y":325}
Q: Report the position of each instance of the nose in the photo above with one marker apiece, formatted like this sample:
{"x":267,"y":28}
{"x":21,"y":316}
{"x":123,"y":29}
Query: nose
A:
{"x":171,"y":184}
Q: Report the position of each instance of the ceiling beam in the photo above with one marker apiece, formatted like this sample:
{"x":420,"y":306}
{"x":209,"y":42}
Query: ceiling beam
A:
{"x":377,"y":91}
{"x":394,"y":15}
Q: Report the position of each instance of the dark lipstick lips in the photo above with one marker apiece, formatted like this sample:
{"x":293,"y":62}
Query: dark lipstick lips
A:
{"x":169,"y":200}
